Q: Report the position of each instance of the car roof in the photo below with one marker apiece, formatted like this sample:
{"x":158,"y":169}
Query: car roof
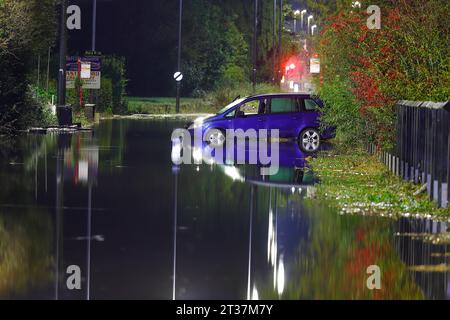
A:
{"x":279,"y":94}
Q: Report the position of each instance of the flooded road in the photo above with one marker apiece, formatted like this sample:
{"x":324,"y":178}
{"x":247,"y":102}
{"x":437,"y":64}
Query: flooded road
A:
{"x":112,"y":204}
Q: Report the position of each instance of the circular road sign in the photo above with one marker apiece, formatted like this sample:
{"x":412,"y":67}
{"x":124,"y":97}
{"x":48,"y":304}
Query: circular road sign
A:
{"x":178,"y":76}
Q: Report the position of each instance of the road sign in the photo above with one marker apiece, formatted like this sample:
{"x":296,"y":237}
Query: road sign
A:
{"x":178,"y":76}
{"x":315,"y":65}
{"x":85,"y":71}
{"x":91,"y":80}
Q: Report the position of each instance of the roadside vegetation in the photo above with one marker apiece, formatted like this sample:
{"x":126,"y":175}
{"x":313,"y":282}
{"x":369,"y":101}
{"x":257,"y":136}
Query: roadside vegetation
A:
{"x":27,"y":29}
{"x":210,"y":102}
{"x":357,"y":183}
{"x":364,"y":72}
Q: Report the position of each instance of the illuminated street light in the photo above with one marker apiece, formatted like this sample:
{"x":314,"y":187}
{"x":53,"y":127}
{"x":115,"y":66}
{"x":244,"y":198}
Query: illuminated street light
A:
{"x":301,"y":16}
{"x":296,"y":13}
{"x":309,"y":20}
{"x":313,"y":28}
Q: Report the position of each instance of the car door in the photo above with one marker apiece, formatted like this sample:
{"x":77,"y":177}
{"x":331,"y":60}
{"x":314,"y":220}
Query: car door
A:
{"x":283,"y":115}
{"x":250,"y":114}
{"x":310,"y":112}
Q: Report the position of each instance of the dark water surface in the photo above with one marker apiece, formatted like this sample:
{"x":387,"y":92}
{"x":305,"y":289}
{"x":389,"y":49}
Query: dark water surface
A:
{"x":112,"y":203}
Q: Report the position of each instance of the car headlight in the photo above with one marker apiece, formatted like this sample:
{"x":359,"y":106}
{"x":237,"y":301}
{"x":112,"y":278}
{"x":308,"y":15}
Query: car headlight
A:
{"x":196,"y":124}
{"x":193,"y":125}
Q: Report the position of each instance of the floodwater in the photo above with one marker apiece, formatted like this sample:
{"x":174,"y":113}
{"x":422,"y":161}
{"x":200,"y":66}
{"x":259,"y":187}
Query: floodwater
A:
{"x":111,"y":207}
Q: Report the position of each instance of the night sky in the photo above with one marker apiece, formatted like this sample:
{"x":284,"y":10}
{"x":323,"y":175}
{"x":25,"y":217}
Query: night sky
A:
{"x":143,"y":31}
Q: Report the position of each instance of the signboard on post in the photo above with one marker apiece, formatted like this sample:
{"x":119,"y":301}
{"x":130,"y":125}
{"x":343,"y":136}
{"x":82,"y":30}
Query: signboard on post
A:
{"x":314,"y":65}
{"x":90,"y":72}
{"x":85,"y":71}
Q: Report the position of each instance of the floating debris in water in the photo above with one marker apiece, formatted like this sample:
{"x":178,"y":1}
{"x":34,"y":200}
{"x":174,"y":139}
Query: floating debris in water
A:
{"x":430,"y":268}
{"x":13,"y":163}
{"x":438,"y":254}
{"x":438,"y":238}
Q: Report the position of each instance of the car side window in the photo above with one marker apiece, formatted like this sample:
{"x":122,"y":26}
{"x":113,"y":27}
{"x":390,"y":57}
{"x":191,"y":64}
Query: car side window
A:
{"x":250,"y":108}
{"x":311,"y":105}
{"x":231,"y":114}
{"x":283,"y":105}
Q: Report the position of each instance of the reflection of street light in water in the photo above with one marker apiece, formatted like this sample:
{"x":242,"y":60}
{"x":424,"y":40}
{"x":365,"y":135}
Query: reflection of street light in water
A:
{"x":175,"y":171}
{"x":280,"y":276}
{"x":272,"y":250}
{"x":252,"y":195}
{"x":255,"y":294}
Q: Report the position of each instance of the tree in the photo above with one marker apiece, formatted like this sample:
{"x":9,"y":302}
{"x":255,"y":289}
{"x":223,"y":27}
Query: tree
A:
{"x":27,"y":27}
{"x":407,"y":59}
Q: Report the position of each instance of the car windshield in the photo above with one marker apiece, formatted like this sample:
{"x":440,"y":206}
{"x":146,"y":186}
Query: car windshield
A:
{"x":231,"y":105}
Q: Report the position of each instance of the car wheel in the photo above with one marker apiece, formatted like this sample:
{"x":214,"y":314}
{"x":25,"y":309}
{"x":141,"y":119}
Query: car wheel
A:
{"x":215,"y":137}
{"x":309,"y":140}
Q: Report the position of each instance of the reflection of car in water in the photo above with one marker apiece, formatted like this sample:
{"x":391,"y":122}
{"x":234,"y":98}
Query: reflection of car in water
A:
{"x":275,"y":204}
{"x":292,"y":172}
{"x":288,"y":226}
{"x":294,"y":115}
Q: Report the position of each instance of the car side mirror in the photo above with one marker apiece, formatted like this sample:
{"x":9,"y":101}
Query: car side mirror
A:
{"x":240,"y":114}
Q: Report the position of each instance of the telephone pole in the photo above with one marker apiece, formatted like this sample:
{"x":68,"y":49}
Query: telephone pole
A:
{"x":62,"y":58}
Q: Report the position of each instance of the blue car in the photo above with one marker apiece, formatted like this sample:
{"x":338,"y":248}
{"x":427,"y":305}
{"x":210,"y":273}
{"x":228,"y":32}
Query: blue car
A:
{"x":296,"y":116}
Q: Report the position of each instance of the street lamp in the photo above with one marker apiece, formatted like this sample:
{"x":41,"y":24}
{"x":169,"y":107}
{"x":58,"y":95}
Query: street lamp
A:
{"x":280,"y":34}
{"x":94,"y":24}
{"x":309,"y":20}
{"x":180,"y":19}
{"x":301,"y":16}
{"x":274,"y":40}
{"x":296,"y":13}
{"x":255,"y":43}
{"x":313,"y":28}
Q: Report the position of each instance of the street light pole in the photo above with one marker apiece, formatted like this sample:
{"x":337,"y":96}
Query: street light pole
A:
{"x":255,"y":44}
{"x":296,"y":13}
{"x":93,"y":97}
{"x":280,"y":38}
{"x":48,"y":69}
{"x":309,"y":22}
{"x":301,"y":16}
{"x":94,"y":24}
{"x":62,"y":57}
{"x":179,"y":56}
{"x":274,"y":31}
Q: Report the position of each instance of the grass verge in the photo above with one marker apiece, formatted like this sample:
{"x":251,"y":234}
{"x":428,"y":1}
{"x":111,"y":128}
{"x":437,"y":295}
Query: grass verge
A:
{"x":210,"y":102}
{"x":164,"y":105}
{"x":358,"y":183}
